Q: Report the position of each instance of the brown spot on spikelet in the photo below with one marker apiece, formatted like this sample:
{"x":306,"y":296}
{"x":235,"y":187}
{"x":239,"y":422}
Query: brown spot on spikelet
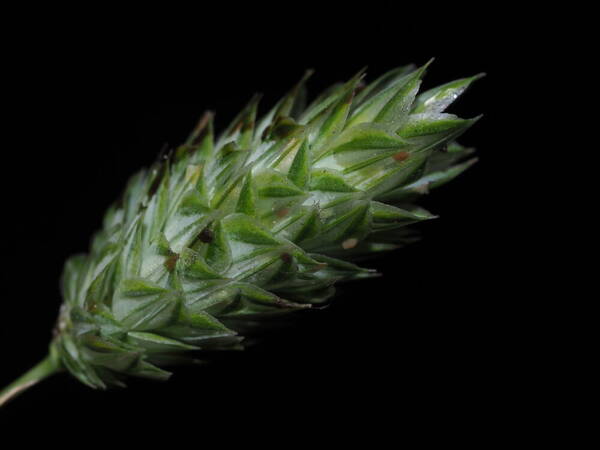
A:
{"x":238,"y":127}
{"x":422,"y":189}
{"x":206,"y":236}
{"x":401,"y":156}
{"x":280,"y":302}
{"x":282,"y":212}
{"x":249,"y":125}
{"x":349,"y":243}
{"x":317,"y":267}
{"x":286,"y":258}
{"x":171,"y":261}
{"x":201,"y":128}
{"x":359,"y":87}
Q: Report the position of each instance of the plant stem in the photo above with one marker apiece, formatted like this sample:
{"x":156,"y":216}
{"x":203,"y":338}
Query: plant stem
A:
{"x":43,"y":369}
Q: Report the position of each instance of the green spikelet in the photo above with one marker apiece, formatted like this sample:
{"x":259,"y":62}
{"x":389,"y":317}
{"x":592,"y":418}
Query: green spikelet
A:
{"x":258,"y":222}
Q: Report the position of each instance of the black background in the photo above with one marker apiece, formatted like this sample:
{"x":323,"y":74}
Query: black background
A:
{"x":429,"y":346}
